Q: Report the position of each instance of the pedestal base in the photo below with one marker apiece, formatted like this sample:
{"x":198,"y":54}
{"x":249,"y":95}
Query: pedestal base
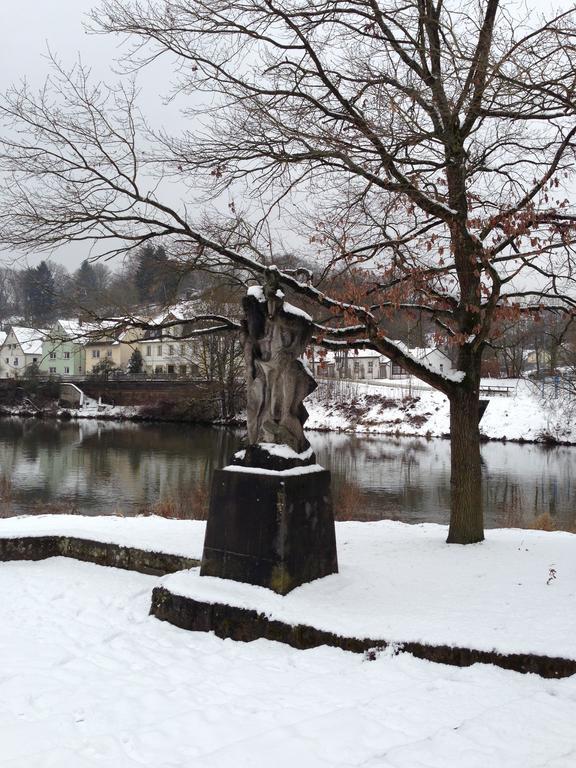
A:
{"x":274,"y":529}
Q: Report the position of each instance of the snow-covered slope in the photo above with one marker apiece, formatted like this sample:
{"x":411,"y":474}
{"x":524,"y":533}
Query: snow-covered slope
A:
{"x":412,"y":409}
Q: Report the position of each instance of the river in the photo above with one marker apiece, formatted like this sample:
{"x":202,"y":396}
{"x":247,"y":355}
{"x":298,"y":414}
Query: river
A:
{"x":101,"y":467}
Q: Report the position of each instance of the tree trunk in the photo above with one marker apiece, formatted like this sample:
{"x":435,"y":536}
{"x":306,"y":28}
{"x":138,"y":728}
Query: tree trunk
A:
{"x":466,"y":514}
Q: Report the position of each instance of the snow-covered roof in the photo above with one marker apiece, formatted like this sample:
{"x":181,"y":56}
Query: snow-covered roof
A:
{"x":2,"y":337}
{"x":77,"y":331}
{"x":330,"y":356}
{"x":30,"y":339}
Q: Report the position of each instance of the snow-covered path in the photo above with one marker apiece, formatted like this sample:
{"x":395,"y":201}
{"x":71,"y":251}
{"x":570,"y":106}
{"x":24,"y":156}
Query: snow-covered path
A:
{"x":89,"y":679}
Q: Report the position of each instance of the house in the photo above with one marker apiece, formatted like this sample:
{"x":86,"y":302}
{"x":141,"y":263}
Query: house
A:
{"x":22,"y":348}
{"x":431,"y":357}
{"x":64,"y":349}
{"x":367,"y":364}
{"x":117,"y":349}
{"x":361,"y":364}
{"x":164,"y":351}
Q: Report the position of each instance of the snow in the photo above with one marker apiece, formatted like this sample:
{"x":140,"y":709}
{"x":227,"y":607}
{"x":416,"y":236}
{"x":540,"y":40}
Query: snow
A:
{"x":257,"y":292}
{"x":30,"y":339}
{"x":292,"y":310}
{"x":151,"y":533}
{"x":307,"y":470}
{"x":409,"y":407}
{"x":275,"y":449}
{"x":89,"y":679}
{"x":402,"y":582}
{"x":77,"y":331}
{"x":396,"y":582}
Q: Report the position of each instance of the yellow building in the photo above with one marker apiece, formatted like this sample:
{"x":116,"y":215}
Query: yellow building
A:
{"x":118,"y":351}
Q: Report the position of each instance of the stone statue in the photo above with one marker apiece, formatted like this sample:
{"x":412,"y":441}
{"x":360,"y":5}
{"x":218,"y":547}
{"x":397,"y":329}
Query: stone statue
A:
{"x":272,"y":528}
{"x":275,"y":335}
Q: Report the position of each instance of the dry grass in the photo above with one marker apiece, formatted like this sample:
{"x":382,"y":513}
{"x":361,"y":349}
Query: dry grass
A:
{"x":5,"y":496}
{"x":347,"y":501}
{"x":191,"y":507}
{"x":543,"y":522}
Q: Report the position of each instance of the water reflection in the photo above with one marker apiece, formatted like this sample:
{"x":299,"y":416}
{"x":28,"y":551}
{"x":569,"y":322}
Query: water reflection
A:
{"x":104,"y":467}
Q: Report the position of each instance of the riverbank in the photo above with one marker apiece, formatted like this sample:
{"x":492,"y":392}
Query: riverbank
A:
{"x":528,"y":412}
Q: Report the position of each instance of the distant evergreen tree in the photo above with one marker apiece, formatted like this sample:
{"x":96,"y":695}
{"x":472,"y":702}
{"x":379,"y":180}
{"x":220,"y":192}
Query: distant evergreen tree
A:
{"x":85,"y":281}
{"x":39,"y":294}
{"x":90,"y":283}
{"x":136,"y":362}
{"x":156,"y":277}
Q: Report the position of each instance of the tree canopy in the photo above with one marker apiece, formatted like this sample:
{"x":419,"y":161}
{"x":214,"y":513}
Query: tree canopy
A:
{"x":426,"y":146}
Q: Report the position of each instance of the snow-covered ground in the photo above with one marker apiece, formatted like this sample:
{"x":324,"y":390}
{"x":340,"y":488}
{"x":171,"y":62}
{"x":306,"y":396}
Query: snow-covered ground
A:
{"x":408,"y":407}
{"x":151,"y":533}
{"x":90,"y":680}
{"x":515,"y":592}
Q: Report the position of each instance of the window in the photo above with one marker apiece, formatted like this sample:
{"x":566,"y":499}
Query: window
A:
{"x":170,"y":369}
{"x":149,"y":350}
{"x":15,"y":362}
{"x":109,"y":353}
{"x":66,"y":355}
{"x":66,"y":370}
{"x":181,"y":349}
{"x":441,"y":367}
{"x":52,"y":370}
{"x":34,"y":359}
{"x":397,"y":370}
{"x":159,"y":350}
{"x":182,"y":369}
{"x":370,"y":367}
{"x":52,"y":355}
{"x":356,"y":367}
{"x":170,"y":349}
{"x":96,"y":353}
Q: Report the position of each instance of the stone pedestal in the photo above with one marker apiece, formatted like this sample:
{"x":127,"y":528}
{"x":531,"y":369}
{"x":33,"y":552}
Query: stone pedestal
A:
{"x":271,"y":528}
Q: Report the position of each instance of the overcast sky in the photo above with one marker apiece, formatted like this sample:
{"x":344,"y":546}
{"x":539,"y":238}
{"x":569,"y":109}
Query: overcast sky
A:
{"x":30,"y":26}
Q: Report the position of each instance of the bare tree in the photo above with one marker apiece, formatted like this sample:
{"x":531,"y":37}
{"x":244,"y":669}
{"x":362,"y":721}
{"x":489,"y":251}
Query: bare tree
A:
{"x":422,"y":143}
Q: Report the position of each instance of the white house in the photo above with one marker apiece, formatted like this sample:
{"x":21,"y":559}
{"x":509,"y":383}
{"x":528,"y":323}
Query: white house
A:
{"x":367,"y":364}
{"x":21,"y":348}
{"x":432,"y":357}
{"x":361,"y":364}
{"x":164,"y":351}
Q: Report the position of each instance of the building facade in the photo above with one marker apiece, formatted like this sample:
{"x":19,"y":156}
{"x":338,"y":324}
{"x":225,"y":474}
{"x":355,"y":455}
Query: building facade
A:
{"x":21,"y":349}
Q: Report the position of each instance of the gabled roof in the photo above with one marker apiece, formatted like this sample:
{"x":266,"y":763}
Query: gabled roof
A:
{"x":30,"y":339}
{"x":3,"y":336}
{"x":77,"y":331}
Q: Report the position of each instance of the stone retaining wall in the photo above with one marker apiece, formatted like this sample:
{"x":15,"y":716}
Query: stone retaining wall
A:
{"x":242,"y":624}
{"x":114,"y":555}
